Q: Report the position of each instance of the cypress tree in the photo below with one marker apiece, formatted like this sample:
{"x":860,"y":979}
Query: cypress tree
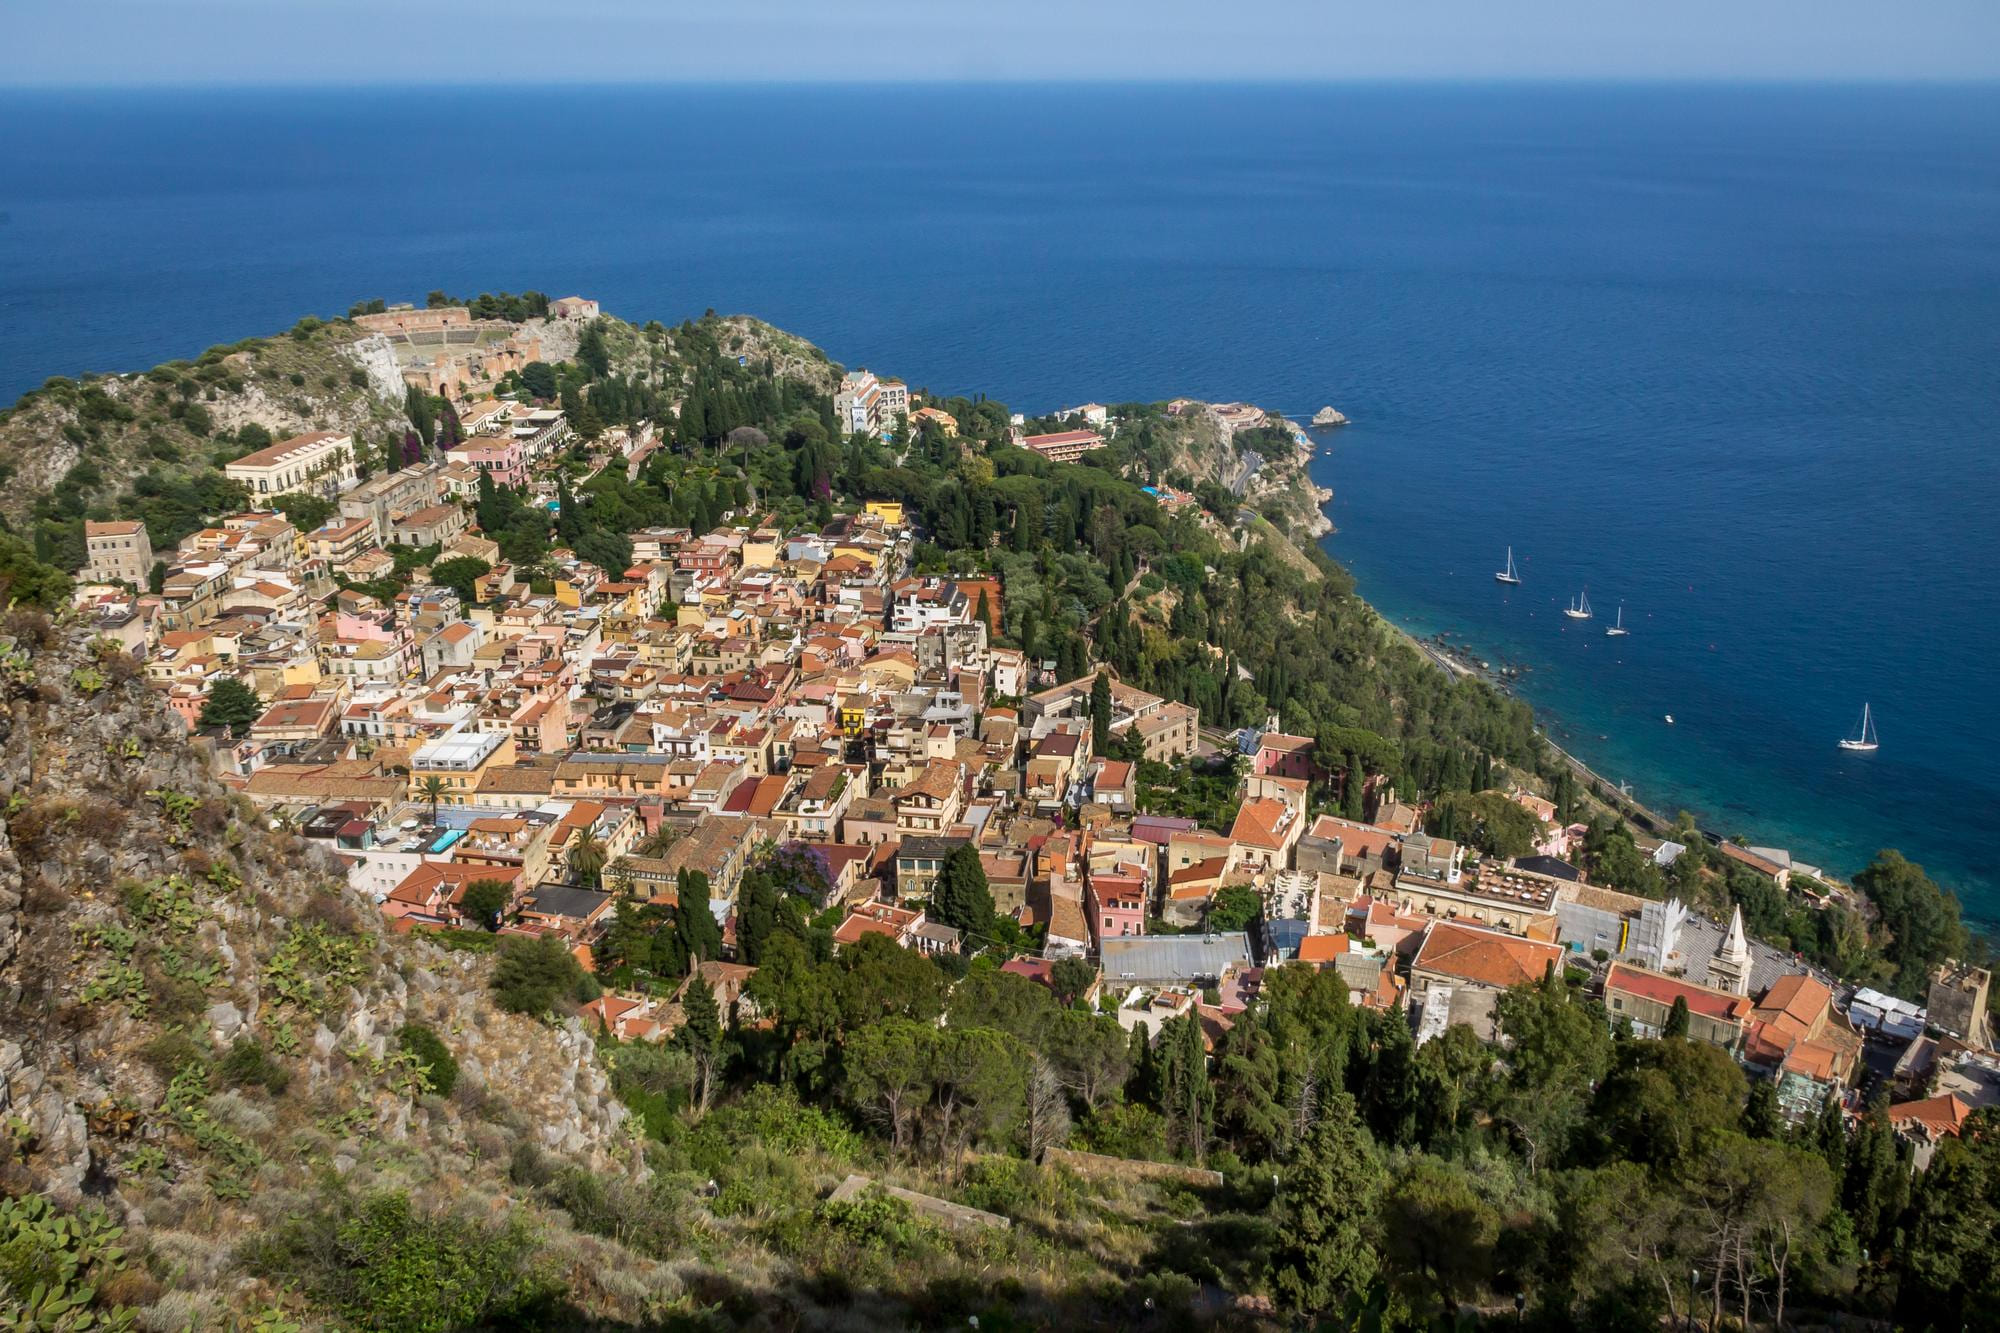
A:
{"x":1351,"y":783}
{"x":1677,"y":1019}
{"x":1188,"y":1099}
{"x":417,"y":406}
{"x":962,"y":897}
{"x":1326,"y":1199}
{"x":450,"y":431}
{"x":1829,"y":1136}
{"x":1392,"y":1090}
{"x":700,"y":1036}
{"x":1760,"y":1111}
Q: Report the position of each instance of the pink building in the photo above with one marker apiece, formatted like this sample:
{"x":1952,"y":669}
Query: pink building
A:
{"x":501,"y":459}
{"x":1279,"y":755}
{"x":1117,"y":905}
{"x":365,"y":627}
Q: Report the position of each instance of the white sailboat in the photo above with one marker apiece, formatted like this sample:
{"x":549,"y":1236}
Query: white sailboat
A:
{"x":1508,"y":575}
{"x":1580,"y":608}
{"x":1618,"y":630}
{"x":1863,"y":739}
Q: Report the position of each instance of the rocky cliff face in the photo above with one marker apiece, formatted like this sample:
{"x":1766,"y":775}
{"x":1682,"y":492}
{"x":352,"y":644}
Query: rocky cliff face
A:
{"x":170,"y":420}
{"x":197,"y":1017}
{"x":1269,"y":476}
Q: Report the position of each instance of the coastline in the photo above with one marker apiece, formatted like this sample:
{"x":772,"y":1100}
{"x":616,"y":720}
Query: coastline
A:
{"x":1647,"y":819}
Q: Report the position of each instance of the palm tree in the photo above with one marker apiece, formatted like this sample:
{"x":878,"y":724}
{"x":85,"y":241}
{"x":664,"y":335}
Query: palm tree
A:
{"x":586,"y":859}
{"x":434,"y":790}
{"x":660,"y":841}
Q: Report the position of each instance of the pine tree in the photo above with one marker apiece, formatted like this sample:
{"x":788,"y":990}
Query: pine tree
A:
{"x":232,"y":704}
{"x":1326,"y":1199}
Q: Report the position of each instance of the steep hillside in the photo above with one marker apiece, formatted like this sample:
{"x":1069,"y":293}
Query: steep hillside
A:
{"x":203,"y":1031}
{"x":1265,"y":468}
{"x":230,"y":1100}
{"x":90,"y":438}
{"x":151,"y":445}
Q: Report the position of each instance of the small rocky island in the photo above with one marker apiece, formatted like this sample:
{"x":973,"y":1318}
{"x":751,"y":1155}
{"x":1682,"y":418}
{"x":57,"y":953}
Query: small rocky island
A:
{"x":1327,"y":416}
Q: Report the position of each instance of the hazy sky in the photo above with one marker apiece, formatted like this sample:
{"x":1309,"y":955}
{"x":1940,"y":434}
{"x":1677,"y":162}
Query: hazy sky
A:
{"x":509,"y":42}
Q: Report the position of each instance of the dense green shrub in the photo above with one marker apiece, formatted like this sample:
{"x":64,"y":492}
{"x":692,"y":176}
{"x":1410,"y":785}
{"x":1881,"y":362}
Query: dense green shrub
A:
{"x":433,"y":1056}
{"x":53,"y":1267}
{"x":535,"y":975}
{"x":377,"y":1262}
{"x":246,"y":1065}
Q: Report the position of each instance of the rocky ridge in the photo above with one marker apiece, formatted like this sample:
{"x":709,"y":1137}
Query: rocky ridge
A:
{"x":151,"y":924}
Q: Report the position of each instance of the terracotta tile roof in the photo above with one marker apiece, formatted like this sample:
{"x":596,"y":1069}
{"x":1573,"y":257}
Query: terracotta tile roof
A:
{"x":1322,"y":948}
{"x":1355,"y":839}
{"x":1719,"y":1005}
{"x":1484,"y":957}
{"x":1938,"y":1116}
{"x":1261,"y":823}
{"x":1798,"y":998}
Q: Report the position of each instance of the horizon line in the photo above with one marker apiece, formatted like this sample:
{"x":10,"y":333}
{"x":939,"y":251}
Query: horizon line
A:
{"x":753,"y":83}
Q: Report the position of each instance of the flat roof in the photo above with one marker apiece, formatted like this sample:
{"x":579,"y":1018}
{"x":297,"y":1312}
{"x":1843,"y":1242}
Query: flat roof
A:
{"x":463,"y":749}
{"x":1173,"y":957}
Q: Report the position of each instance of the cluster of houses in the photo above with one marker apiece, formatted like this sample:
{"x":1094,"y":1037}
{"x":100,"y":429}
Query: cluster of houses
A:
{"x":606,"y":732}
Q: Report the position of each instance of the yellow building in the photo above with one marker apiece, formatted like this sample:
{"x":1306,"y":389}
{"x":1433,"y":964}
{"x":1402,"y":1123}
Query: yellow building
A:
{"x":889,"y":511}
{"x":760,"y":549}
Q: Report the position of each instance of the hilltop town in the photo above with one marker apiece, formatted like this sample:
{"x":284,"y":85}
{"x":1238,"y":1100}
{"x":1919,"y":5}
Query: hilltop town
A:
{"x":694,"y":670}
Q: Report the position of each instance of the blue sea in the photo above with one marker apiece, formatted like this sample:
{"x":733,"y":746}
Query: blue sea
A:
{"x":1729,"y":356}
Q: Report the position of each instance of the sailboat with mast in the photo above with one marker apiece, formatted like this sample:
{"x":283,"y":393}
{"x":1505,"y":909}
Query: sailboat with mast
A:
{"x":1580,"y":608}
{"x":1863,"y":740}
{"x":1508,"y":575}
{"x":1618,"y":631}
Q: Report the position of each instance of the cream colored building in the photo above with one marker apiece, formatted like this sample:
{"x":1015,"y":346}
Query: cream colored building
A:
{"x":119,"y":552}
{"x":323,"y":460}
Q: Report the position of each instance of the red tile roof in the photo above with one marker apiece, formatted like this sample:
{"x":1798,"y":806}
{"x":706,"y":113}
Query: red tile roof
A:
{"x":1485,"y":957}
{"x":1937,"y":1115}
{"x":1716,"y":1004}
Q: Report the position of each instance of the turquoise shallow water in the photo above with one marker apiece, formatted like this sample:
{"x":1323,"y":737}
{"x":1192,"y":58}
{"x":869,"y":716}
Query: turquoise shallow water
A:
{"x":1726,"y":354}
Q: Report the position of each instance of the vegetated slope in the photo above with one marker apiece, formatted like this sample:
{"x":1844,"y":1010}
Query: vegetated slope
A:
{"x":151,"y":445}
{"x":90,"y":438}
{"x":200,"y":1026}
{"x":233,"y":1100}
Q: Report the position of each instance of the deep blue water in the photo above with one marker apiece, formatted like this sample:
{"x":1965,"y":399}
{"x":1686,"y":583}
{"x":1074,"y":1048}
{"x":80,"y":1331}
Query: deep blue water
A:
{"x":1730,"y":355}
